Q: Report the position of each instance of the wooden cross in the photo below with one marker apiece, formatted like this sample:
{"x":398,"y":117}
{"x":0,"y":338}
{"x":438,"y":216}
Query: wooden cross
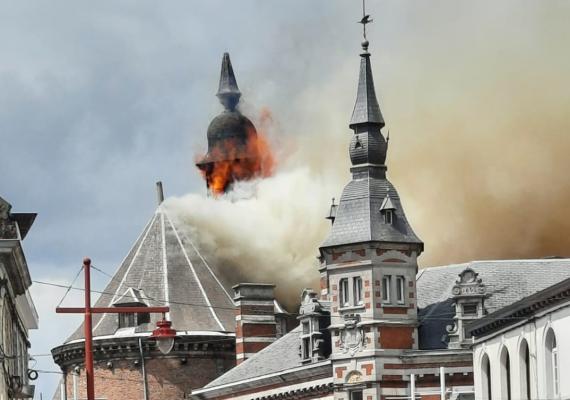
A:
{"x":88,"y":311}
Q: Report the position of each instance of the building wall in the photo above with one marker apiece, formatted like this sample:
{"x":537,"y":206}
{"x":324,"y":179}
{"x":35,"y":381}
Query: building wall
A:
{"x":17,"y":311}
{"x":534,"y":333}
{"x":167,"y":378}
{"x":14,"y":344}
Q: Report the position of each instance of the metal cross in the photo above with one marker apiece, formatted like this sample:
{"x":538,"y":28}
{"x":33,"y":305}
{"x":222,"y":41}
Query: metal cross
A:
{"x":365,"y":18}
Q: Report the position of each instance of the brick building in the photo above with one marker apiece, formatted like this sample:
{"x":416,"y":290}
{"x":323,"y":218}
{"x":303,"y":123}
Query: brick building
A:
{"x":164,"y":267}
{"x":380,"y":328}
{"x":376,"y":328}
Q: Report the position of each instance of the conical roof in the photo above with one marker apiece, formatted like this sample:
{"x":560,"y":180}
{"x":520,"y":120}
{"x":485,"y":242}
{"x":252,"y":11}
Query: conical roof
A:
{"x":366,"y":109}
{"x":164,"y":267}
{"x":228,"y":83}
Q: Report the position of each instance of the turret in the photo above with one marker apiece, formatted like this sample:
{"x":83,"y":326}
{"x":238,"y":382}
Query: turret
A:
{"x":232,"y":139}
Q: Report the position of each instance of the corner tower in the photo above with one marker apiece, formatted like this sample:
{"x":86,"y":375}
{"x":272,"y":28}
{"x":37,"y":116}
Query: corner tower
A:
{"x":232,"y":154}
{"x":369,"y":262}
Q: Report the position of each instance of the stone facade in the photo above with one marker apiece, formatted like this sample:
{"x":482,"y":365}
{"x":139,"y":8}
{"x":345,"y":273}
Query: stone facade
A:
{"x":17,"y":311}
{"x":521,"y":352}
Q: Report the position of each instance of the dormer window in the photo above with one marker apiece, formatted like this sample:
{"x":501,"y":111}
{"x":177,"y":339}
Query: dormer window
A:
{"x":132,"y":298}
{"x":387,"y":209}
{"x":469,"y":309}
{"x":314,"y":335}
{"x":388,"y":217}
{"x":127,"y":320}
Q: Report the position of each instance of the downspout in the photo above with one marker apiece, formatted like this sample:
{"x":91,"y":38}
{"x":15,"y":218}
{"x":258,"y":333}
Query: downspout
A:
{"x":145,"y":386}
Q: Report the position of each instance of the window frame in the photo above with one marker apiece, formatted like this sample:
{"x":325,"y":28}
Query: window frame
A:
{"x":401,"y":289}
{"x":386,"y":289}
{"x":352,"y":394}
{"x":344,"y":293}
{"x":388,"y":217}
{"x":357,"y":291}
{"x":126,"y":318}
{"x":306,"y":347}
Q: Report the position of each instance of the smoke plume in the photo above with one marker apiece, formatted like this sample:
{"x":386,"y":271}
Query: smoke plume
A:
{"x":479,"y":151}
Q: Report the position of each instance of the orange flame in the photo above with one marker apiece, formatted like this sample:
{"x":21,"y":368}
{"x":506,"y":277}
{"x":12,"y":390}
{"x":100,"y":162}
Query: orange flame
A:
{"x":240,"y":161}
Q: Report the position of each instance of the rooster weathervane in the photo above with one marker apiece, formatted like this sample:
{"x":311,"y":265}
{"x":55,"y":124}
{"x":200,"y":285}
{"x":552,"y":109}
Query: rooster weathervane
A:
{"x":365,"y":19}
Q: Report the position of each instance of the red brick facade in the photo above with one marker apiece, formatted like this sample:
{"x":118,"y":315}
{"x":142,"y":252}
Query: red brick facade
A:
{"x":396,"y":337}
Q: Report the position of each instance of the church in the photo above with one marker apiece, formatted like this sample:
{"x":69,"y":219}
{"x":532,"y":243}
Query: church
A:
{"x":377,"y":327}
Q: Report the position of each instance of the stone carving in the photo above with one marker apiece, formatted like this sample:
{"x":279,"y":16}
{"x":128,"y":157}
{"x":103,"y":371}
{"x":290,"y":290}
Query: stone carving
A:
{"x":352,"y":336}
{"x":468,"y":284}
{"x":354,"y":377}
{"x":469,"y":294}
{"x":4,"y":209}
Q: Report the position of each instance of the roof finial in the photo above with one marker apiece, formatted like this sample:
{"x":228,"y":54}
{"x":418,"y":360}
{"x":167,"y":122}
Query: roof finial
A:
{"x":364,"y":21}
{"x":228,"y":91}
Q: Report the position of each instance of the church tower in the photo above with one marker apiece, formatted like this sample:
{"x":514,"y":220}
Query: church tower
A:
{"x":233,"y":153}
{"x":368,"y":262}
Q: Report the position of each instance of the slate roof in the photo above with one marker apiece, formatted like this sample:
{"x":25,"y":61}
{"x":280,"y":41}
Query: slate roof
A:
{"x":228,"y":83}
{"x":358,"y":217}
{"x":281,"y":355}
{"x":506,"y":281}
{"x":164,"y":267}
{"x":366,"y":108}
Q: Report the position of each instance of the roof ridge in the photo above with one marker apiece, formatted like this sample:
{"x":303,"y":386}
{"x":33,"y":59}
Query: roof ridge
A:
{"x":142,"y":237}
{"x":204,"y":261}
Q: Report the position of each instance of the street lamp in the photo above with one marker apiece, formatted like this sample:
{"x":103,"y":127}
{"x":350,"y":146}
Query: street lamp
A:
{"x":164,"y":335}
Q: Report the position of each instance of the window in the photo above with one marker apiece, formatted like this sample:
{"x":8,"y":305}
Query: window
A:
{"x":505,"y":375}
{"x":552,"y":365}
{"x":524,"y":356}
{"x":306,"y":349}
{"x":127,"y":320}
{"x":344,"y":300}
{"x":356,"y":395}
{"x":386,"y":289}
{"x":130,"y":320}
{"x":357,"y":283}
{"x":388,"y":217}
{"x":486,"y":378}
{"x":400,"y":289}
{"x":306,"y":328}
{"x":469,"y":309}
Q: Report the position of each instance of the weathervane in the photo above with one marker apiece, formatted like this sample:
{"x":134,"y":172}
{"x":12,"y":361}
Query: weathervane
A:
{"x":365,"y":19}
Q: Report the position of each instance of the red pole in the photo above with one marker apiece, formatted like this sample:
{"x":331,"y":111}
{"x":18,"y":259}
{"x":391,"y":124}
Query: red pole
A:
{"x":88,"y":332}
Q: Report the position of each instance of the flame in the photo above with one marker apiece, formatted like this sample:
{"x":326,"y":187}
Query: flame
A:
{"x":241,"y":161}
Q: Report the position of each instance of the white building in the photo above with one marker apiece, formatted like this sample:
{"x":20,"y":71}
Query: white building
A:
{"x":522,"y":351}
{"x":17,"y":311}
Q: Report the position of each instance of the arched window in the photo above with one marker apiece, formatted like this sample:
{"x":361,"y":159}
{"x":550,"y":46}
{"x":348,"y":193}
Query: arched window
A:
{"x":486,"y":378}
{"x":505,"y":374}
{"x":524,"y":357}
{"x":551,"y":364}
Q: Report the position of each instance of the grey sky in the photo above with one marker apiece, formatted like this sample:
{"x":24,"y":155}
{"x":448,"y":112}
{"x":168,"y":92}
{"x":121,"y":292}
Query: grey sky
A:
{"x":98,"y":100}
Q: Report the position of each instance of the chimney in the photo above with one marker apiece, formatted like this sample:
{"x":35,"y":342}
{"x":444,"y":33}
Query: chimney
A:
{"x":159,"y":192}
{"x":255,"y":318}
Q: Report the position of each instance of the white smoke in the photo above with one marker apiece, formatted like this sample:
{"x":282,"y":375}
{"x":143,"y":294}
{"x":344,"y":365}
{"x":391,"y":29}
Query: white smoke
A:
{"x":266,"y":230}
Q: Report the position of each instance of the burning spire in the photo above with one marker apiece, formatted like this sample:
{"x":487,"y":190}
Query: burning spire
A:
{"x":235,"y":150}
